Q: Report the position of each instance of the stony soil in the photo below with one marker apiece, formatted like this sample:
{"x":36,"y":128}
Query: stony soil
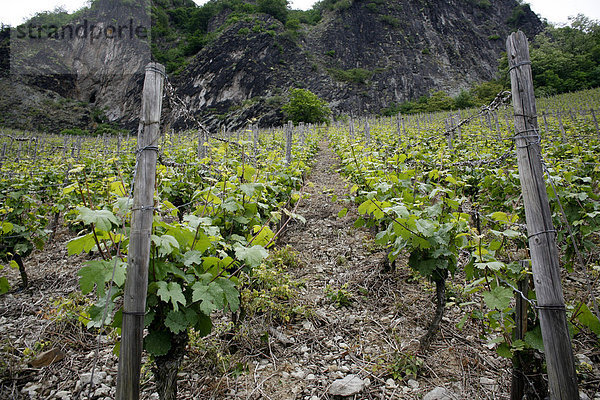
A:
{"x":302,"y":359}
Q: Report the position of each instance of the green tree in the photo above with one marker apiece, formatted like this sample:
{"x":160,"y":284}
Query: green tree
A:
{"x":305,"y":106}
{"x":440,"y":101}
{"x":486,"y":92}
{"x":277,"y":8}
{"x":464,"y":100}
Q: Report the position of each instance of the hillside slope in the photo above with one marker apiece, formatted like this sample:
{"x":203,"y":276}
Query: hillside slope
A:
{"x":361,"y":56}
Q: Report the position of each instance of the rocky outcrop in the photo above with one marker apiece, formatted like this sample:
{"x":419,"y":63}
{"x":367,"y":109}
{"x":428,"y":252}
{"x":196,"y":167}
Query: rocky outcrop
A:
{"x":361,"y":57}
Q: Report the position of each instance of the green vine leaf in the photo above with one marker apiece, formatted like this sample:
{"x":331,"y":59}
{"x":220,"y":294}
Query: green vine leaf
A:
{"x":192,"y":257}
{"x":176,"y":321}
{"x":166,"y":244}
{"x":210,"y":297}
{"x":102,"y":219}
{"x":98,"y":273}
{"x":232,"y":296}
{"x":251,"y":256}
{"x":81,"y":244}
{"x":157,"y":343}
{"x":171,"y":292}
{"x":498,"y":298}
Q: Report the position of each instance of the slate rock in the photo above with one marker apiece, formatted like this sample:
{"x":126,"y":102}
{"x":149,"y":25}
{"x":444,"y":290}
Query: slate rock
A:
{"x":439,"y":393}
{"x":347,"y":386}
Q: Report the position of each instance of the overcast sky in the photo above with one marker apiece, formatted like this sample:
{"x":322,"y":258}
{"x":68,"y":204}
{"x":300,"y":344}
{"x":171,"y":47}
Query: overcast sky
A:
{"x":556,"y":11}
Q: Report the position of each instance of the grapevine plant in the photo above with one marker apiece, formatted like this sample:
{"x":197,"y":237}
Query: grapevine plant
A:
{"x":197,"y":257}
{"x":450,"y":207}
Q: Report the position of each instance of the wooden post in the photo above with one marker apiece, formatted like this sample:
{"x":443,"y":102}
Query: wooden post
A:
{"x":136,"y":284}
{"x":202,"y":144}
{"x":255,"y":133}
{"x":562,"y":377}
{"x":458,"y":129}
{"x":561,"y":126}
{"x":3,"y":155}
{"x":546,"y":123}
{"x":288,"y":142}
{"x":595,"y":122}
{"x":518,"y":379}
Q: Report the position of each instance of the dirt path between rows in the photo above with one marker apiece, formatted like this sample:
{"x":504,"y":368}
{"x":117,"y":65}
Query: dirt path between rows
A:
{"x":374,"y":339}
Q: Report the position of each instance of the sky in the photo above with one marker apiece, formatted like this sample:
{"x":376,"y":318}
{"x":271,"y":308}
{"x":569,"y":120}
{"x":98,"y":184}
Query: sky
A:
{"x":555,"y":11}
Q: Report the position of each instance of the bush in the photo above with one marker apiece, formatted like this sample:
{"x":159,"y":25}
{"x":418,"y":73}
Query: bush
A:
{"x":390,"y":20}
{"x":276,"y":8}
{"x":464,"y":100}
{"x":486,"y":92}
{"x":305,"y":106}
{"x":354,"y":75}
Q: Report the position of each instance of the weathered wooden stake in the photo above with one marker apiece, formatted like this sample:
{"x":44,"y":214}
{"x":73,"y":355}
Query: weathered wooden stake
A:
{"x":547,"y":130}
{"x":595,"y":122}
{"x":561,"y":126}
{"x":3,"y":155}
{"x":544,"y":253}
{"x":518,"y":379}
{"x":136,"y":284}
{"x":202,"y":144}
{"x":288,"y":142}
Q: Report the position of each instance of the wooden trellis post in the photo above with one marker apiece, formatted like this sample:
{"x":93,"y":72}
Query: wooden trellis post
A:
{"x":562,"y":377}
{"x":136,"y":284}
{"x":289,"y":132}
{"x":595,"y":122}
{"x":202,"y":144}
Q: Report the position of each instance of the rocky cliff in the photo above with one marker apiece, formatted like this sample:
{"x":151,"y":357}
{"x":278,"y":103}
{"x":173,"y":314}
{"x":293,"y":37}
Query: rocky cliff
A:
{"x":361,"y":56}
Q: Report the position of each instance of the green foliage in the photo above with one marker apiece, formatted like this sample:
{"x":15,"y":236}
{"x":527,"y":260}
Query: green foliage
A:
{"x":305,"y":106}
{"x":390,"y":20}
{"x":75,"y":132}
{"x":485,"y":92}
{"x":22,"y":226}
{"x":276,"y":8}
{"x":567,"y":59}
{"x":405,"y":366}
{"x":332,"y":5}
{"x":353,"y":75}
{"x":270,"y":290}
{"x":519,"y":15}
{"x":341,"y":297}
{"x":464,"y":100}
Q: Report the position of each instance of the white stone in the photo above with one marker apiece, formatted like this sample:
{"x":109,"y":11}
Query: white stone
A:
{"x":439,"y":393}
{"x":583,"y":359}
{"x":103,"y":390}
{"x":583,"y":396}
{"x":390,"y":383}
{"x":348,"y":386}
{"x":308,"y":325}
{"x":310,"y":377}
{"x":86,"y":377}
{"x":298,"y":374}
{"x":486,"y":381}
{"x":63,"y":395}
{"x":414,"y":385}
